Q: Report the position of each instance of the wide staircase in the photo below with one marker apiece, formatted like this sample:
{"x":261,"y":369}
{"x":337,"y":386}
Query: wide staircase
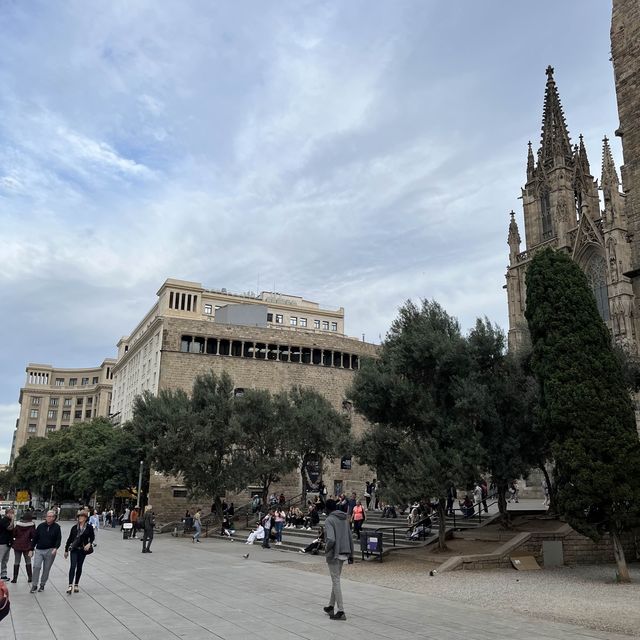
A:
{"x":395,"y":531}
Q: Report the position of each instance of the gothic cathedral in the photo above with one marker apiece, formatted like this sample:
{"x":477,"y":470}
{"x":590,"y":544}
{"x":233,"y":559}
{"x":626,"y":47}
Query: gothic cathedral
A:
{"x":562,"y":209}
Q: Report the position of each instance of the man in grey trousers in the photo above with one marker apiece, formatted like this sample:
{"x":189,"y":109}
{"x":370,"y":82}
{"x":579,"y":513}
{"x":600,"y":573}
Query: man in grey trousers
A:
{"x":46,"y":543}
{"x":338,"y":550}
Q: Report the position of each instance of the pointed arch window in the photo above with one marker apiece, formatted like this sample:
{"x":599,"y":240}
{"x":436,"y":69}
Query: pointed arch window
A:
{"x":596,"y":272}
{"x":547,"y":225}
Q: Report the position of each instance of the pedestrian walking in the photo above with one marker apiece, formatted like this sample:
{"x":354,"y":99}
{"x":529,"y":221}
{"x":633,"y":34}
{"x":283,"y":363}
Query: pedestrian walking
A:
{"x":197,"y":525}
{"x":23,"y":534}
{"x":358,"y":518}
{"x":94,"y":521}
{"x":338,"y":550}
{"x":46,"y":543}
{"x":367,"y":494}
{"x":148,"y":523}
{"x":6,"y":538}
{"x":372,"y":491}
{"x":79,"y":545}
{"x":267,"y":523}
{"x":279,"y":519}
{"x":545,"y":491}
{"x":134,"y":521}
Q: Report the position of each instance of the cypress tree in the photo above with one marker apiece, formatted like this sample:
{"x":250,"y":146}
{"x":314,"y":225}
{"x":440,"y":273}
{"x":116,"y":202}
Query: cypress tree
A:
{"x":585,"y":409}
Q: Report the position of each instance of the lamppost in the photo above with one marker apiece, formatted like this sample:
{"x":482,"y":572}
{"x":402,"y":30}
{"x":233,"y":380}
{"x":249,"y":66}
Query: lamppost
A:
{"x":139,"y":484}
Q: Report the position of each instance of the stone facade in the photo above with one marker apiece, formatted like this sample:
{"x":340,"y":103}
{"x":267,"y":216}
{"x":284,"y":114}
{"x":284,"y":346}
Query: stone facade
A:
{"x":562,"y":210}
{"x":54,"y":398}
{"x":625,"y":54}
{"x":169,"y":350}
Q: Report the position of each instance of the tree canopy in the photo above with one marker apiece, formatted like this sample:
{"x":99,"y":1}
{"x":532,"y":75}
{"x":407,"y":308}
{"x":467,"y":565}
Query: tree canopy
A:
{"x":418,"y":444}
{"x":87,"y":457}
{"x":585,"y":407}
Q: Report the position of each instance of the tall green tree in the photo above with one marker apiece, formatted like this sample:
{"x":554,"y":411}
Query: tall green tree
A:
{"x":192,"y":437}
{"x":87,"y":458}
{"x":317,"y":430}
{"x":417,"y":443}
{"x":500,"y":399}
{"x":586,"y":411}
{"x":263,"y":438}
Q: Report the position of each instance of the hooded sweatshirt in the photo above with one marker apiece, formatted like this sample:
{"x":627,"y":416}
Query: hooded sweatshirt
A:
{"x":338,"y":540}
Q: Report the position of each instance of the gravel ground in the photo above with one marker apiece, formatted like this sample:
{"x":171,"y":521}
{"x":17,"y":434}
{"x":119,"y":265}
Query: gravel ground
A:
{"x":587,"y":596}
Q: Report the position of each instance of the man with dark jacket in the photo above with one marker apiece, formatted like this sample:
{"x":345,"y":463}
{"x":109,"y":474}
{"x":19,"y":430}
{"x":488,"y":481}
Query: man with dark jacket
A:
{"x":6,"y":536}
{"x":338,"y":550}
{"x":46,"y":543}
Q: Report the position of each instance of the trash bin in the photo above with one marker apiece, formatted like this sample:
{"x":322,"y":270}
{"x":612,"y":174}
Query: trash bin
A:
{"x":127,"y":530}
{"x":371,"y":544}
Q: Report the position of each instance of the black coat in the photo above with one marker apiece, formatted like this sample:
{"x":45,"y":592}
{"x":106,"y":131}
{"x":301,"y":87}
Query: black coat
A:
{"x":87,"y":537}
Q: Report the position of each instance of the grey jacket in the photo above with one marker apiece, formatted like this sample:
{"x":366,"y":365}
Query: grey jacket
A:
{"x":338,"y":540}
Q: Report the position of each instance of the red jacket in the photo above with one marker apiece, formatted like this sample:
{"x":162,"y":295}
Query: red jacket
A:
{"x":23,"y":535}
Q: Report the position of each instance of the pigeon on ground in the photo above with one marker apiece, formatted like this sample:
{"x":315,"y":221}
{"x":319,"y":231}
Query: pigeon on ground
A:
{"x":245,"y":556}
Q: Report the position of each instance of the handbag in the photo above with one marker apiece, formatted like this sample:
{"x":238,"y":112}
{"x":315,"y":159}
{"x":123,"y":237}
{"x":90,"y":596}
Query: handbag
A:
{"x":89,"y":551}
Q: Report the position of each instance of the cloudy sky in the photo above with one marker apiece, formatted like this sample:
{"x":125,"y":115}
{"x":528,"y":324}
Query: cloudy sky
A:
{"x":358,"y":153}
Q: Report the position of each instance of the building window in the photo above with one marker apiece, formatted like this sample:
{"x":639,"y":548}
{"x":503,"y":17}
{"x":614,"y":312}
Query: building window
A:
{"x":185,"y":343}
{"x":35,"y":400}
{"x":79,"y":402}
{"x":52,"y":414}
{"x":303,"y":322}
{"x":334,"y":326}
{"x":78,"y":414}
{"x":73,"y":382}
{"x":66,"y":415}
{"x":95,"y":380}
{"x":90,"y":400}
{"x":67,"y":402}
{"x":33,"y":413}
{"x":53,"y":402}
{"x":208,"y":309}
{"x":179,"y":493}
{"x":325,"y":325}
{"x":269,"y":317}
{"x":316,"y":324}
{"x":51,"y":427}
{"x":293,"y":321}
{"x":32,"y":428}
{"x":85,"y":382}
{"x":279,"y":318}
{"x":59,"y":382}
{"x":87,"y":413}
{"x":64,"y":426}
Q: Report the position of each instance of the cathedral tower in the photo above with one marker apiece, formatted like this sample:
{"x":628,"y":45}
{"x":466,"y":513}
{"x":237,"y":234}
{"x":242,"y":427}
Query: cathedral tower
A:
{"x":561,"y":209}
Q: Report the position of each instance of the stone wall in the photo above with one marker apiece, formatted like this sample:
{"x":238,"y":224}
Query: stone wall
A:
{"x":179,"y":370}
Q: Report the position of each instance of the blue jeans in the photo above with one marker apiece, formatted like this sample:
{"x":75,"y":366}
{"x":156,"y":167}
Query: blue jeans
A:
{"x":198,"y":528}
{"x":279,"y":527}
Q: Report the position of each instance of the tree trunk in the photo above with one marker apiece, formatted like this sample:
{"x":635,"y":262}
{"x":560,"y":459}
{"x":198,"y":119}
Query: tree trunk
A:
{"x":505,"y":516}
{"x":442,"y":541}
{"x":552,"y":492}
{"x":622,"y":574}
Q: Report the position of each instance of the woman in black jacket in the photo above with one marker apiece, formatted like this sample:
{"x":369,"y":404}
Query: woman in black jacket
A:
{"x":79,"y":543}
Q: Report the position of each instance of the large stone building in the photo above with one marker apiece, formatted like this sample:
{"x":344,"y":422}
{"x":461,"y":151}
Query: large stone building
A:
{"x":270,"y":341}
{"x":54,"y":398}
{"x":625,"y":54}
{"x":562,"y":210}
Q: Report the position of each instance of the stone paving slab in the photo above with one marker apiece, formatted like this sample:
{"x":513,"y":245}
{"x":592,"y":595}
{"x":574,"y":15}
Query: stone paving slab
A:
{"x":207,"y":591}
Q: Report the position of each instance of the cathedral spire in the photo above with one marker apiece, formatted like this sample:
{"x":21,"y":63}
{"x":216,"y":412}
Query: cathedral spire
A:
{"x":609,"y":178}
{"x":513,"y":239}
{"x":555,"y":145}
{"x":582,"y":159}
{"x":531,"y":165}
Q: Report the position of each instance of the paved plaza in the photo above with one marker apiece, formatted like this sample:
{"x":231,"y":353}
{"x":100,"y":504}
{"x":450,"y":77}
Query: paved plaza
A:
{"x":183,"y":590}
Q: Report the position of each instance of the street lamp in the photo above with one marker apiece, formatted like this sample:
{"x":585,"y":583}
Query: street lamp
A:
{"x":139,"y":484}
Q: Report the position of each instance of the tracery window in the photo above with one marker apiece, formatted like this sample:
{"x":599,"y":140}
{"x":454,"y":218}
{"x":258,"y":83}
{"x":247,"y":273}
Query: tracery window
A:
{"x":596,"y":272}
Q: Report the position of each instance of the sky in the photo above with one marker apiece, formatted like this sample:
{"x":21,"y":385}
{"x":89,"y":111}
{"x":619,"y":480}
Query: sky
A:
{"x":356,"y":153}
